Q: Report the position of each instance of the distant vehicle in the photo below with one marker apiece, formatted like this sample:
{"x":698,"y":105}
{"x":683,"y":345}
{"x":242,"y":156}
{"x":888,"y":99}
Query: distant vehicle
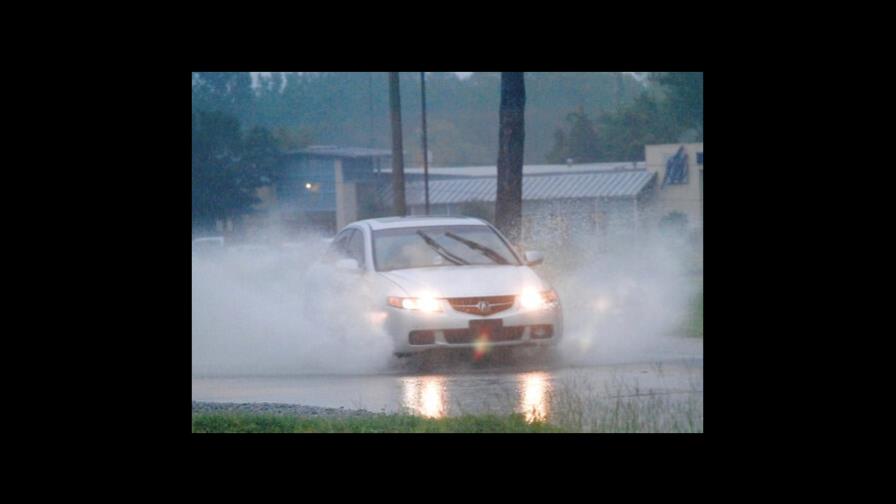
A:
{"x":202,"y":246}
{"x":446,"y":282}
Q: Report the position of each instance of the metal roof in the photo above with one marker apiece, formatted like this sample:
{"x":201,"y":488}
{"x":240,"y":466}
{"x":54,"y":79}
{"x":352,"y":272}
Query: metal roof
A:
{"x":343,"y":152}
{"x":606,"y":184}
{"x":492,"y":170}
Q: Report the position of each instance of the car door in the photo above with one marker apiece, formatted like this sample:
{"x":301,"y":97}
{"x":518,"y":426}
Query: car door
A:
{"x":355,"y":248}
{"x":338,"y":248}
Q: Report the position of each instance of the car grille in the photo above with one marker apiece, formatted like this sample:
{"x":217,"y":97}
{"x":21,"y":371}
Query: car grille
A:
{"x":456,"y":336}
{"x":482,"y":305}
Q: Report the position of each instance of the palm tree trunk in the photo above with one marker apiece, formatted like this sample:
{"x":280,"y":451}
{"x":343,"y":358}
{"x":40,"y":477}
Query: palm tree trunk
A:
{"x":511,"y":136}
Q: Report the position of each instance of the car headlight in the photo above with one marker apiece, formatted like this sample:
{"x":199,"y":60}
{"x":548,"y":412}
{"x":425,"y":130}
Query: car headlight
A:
{"x":424,"y":303}
{"x":531,"y":299}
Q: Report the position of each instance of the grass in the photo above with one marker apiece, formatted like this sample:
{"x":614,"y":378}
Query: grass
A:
{"x":258,"y":423}
{"x":630,"y":412}
{"x":695,"y":323}
{"x":576,"y":406}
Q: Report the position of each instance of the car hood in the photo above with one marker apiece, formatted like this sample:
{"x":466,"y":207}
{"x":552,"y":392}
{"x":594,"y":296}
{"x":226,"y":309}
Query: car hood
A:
{"x":465,"y":281}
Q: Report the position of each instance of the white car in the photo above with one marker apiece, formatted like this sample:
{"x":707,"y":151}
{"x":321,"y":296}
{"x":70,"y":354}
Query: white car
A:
{"x":446,"y":282}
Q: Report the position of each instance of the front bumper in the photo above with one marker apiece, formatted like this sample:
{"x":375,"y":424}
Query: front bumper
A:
{"x":399,"y":323}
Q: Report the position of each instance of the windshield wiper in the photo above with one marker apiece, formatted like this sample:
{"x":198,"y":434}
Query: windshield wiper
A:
{"x":488,"y":252}
{"x":440,"y":249}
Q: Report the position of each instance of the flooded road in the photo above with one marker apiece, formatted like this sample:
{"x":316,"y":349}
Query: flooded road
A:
{"x":455,"y":384}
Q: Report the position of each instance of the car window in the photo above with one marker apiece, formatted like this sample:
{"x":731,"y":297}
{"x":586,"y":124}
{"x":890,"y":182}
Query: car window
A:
{"x":356,"y":247}
{"x":337,"y":249}
{"x":433,"y":246}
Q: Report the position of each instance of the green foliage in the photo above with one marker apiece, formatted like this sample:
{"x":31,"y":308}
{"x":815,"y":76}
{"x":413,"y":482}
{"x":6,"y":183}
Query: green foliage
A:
{"x":624,"y":134}
{"x":293,"y":138}
{"x":695,"y":321}
{"x":613,"y":116}
{"x":581,"y":144}
{"x":227,"y":168}
{"x":559,"y":151}
{"x":671,"y":111}
{"x":351,"y":108}
{"x":257,"y":423}
{"x":260,"y":160}
{"x":685,"y":97}
{"x":228,"y":92}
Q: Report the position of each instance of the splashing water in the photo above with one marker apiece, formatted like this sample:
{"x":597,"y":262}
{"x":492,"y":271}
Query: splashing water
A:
{"x":257,"y":311}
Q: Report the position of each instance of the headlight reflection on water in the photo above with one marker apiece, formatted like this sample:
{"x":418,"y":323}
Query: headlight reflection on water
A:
{"x":427,"y":396}
{"x":534,"y":402}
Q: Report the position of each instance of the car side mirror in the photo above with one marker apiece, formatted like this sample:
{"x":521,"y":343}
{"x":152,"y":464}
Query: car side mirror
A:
{"x":349,"y":265}
{"x":534,"y":258}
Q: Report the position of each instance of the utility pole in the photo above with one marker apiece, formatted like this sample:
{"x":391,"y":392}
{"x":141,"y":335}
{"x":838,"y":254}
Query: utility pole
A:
{"x":619,"y":91}
{"x":397,"y":155}
{"x":425,"y":150}
{"x":370,"y":106}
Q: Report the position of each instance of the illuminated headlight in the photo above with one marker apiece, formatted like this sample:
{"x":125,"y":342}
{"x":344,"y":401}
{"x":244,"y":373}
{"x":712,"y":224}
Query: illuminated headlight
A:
{"x":530,"y":299}
{"x":425,"y":304}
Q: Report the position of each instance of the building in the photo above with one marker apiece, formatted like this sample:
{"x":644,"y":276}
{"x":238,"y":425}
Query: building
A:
{"x":575,"y":199}
{"x":566,"y":202}
{"x":326,"y":187}
{"x":322,"y":185}
{"x":680,"y":187}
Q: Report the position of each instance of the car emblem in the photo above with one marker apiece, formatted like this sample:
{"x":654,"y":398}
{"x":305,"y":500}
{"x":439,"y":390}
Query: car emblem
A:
{"x":483,"y":306}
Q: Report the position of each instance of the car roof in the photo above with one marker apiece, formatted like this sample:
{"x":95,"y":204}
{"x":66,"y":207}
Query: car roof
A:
{"x":419,"y":221}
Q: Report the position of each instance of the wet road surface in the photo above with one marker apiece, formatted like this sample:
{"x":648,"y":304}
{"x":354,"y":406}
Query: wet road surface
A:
{"x":454,"y":384}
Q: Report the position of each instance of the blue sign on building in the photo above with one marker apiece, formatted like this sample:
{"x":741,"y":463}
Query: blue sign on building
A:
{"x":677,"y":168}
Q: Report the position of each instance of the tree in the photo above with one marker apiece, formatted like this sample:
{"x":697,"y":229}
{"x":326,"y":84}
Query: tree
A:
{"x":581,"y":145}
{"x":260,"y":160}
{"x":684,"y":91}
{"x":229,"y":92}
{"x":559,"y":153}
{"x":351,"y":108}
{"x":618,"y":135}
{"x":293,"y":138}
{"x":215,"y":147}
{"x":511,"y":137}
{"x":226,"y":169}
{"x":622,"y":135}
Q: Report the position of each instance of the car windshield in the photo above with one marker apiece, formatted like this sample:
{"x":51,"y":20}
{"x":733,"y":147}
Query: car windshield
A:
{"x":439,"y":246}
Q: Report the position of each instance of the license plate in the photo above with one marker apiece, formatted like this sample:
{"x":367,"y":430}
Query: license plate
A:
{"x":485,"y":328}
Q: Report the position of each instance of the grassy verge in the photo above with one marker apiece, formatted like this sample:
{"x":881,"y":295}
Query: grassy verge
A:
{"x":695,"y":320}
{"x":620,"y":406}
{"x":247,"y":422}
